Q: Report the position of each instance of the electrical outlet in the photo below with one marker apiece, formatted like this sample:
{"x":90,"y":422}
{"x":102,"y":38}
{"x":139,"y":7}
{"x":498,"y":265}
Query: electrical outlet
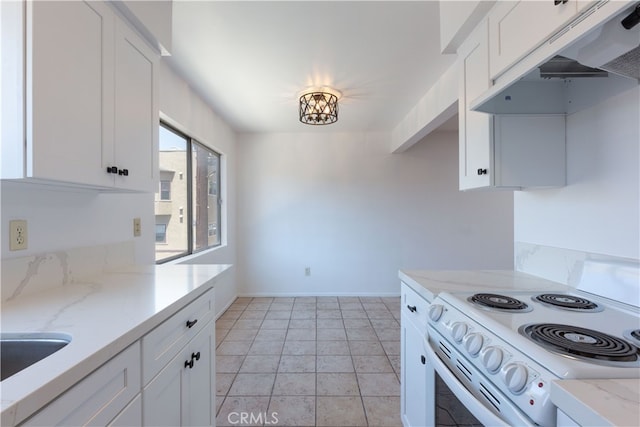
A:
{"x":17,"y":235}
{"x":137,"y":227}
{"x":307,"y":271}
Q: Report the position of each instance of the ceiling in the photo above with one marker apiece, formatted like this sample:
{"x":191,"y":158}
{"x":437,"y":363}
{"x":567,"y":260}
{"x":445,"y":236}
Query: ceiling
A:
{"x":251,"y":61}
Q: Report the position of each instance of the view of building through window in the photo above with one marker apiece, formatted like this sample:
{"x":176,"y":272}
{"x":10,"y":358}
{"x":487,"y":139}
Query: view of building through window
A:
{"x":188,"y":192}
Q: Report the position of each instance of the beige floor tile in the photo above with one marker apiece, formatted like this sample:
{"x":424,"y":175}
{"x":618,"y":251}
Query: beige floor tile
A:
{"x":334,"y":364}
{"x":330,"y":324}
{"x":246,"y":324}
{"x":383,"y":411}
{"x":379,"y":384}
{"x":288,"y":300}
{"x":260,"y":364}
{"x":392,"y":348}
{"x":388,"y":334}
{"x":278,"y":314}
{"x":262,"y":299}
{"x":331,"y":334}
{"x":351,"y":306}
{"x":366,"y":348}
{"x":304,"y":306}
{"x":299,"y":348}
{"x":231,"y":315}
{"x":271,"y":335}
{"x":258,"y":306}
{"x":380,"y":314}
{"x":275,"y":324}
{"x":361,"y":334}
{"x":295,"y":384}
{"x":348,"y":299}
{"x":357,"y":323}
{"x":395,"y":362}
{"x":297,"y":363}
{"x":328,"y":305}
{"x":294,"y":411}
{"x":306,"y":299}
{"x":242,"y":406}
{"x":354,"y":314}
{"x":302,"y":323}
{"x":371,"y":364}
{"x":228,"y":364}
{"x":233,"y":348}
{"x":379,"y":305}
{"x":223,"y":383}
{"x":333,"y":348}
{"x":266,"y":347}
{"x":253,"y":314}
{"x":301,"y":334}
{"x":220,"y":336}
{"x":226,"y":324}
{"x":337,"y":384}
{"x":219,"y":401}
{"x":281,"y":306}
{"x":303,"y":314}
{"x":329,"y":314}
{"x":241,"y":334}
{"x":252,"y":385}
{"x":384,"y":323}
{"x":342,"y":411}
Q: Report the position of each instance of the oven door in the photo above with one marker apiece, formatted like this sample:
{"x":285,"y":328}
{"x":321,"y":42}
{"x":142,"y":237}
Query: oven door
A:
{"x":486,"y":413}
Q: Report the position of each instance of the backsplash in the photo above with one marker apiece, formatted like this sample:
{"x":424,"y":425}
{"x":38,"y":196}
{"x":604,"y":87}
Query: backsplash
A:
{"x":25,"y":275}
{"x":560,"y":265}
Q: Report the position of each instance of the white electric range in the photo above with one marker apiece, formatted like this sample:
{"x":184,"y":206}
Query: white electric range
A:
{"x":500,"y":351}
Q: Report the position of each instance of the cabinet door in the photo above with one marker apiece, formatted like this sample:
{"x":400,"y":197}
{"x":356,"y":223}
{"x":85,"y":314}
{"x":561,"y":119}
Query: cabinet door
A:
{"x":130,"y":416}
{"x":99,"y":397}
{"x":517,"y":27}
{"x":136,"y":112}
{"x":415,"y":407}
{"x":198,"y":408}
{"x":67,"y":44}
{"x":475,"y":129}
{"x":182,"y":393}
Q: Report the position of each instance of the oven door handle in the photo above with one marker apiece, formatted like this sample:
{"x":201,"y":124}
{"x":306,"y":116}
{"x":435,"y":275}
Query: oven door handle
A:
{"x":481,"y":412}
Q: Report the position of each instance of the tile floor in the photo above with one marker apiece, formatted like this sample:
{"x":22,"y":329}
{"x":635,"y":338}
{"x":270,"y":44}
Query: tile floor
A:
{"x":309,"y":361}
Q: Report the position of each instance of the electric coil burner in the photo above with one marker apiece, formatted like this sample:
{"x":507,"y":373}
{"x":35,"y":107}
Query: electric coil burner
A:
{"x":583,"y":343}
{"x":499,"y":302}
{"x":568,"y":302}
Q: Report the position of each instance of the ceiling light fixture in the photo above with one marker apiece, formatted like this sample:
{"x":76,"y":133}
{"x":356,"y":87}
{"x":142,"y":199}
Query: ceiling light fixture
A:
{"x":318,"y":108}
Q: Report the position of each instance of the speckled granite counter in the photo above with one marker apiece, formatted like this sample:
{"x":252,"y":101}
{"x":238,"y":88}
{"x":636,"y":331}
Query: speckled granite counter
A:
{"x":599,"y":402}
{"x":104,"y":314}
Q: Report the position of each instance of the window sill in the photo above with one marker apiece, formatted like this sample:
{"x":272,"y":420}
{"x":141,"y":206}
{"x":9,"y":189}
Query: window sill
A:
{"x":187,"y":258}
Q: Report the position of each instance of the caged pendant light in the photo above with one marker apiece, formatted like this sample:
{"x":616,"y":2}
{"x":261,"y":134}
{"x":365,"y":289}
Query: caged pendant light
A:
{"x":318,"y":108}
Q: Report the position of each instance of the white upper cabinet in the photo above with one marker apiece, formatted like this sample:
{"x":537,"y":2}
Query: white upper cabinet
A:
{"x":518,"y":27}
{"x":90,"y":100}
{"x":509,"y":151}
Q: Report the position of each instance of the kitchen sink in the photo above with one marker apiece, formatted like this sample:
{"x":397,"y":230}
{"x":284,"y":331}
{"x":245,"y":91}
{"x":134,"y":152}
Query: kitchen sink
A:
{"x":21,"y":350}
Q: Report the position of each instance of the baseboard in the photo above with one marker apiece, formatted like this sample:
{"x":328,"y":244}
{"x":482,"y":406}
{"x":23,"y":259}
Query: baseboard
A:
{"x":315,"y":294}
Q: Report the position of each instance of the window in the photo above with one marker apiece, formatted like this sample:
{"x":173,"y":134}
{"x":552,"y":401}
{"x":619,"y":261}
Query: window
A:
{"x":189,"y":191}
{"x":165,"y":190}
{"x":161,"y":233}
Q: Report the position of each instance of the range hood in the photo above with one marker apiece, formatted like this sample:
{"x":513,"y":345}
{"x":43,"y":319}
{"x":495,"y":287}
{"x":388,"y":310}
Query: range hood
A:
{"x":600,"y":64}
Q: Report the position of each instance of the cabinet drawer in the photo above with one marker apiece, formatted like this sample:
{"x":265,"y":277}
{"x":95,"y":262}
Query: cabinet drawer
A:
{"x":164,"y":342}
{"x":414,"y":307}
{"x":99,"y":397}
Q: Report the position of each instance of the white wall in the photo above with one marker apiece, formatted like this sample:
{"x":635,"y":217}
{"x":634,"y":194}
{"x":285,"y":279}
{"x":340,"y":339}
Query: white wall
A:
{"x":355,"y":214}
{"x":184,"y":109}
{"x":599,"y":209}
{"x":59,"y":218}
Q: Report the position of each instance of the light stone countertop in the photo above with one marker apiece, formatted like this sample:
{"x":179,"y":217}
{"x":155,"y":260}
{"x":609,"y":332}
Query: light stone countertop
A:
{"x":104,"y":314}
{"x":599,"y":402}
{"x":429,"y":283}
{"x":614,"y":402}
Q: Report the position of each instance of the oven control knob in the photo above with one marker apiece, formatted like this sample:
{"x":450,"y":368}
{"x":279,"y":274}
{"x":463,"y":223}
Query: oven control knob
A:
{"x":473,"y":343}
{"x":492,"y":358}
{"x":435,"y":311}
{"x":458,"y":331}
{"x":514,"y":376}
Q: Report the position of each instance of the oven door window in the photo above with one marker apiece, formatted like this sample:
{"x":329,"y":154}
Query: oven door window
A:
{"x":449,"y":410}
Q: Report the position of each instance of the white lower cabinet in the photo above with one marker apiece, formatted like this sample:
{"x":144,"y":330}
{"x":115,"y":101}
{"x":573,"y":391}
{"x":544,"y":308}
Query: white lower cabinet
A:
{"x":416,"y":374}
{"x":100,"y":399}
{"x":166,"y":378}
{"x":182,"y":393}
